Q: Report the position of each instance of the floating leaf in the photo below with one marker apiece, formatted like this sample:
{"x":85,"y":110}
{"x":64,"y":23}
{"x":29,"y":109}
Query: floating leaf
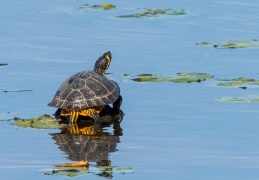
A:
{"x":205,"y":44}
{"x":74,"y":164}
{"x":23,"y":123}
{"x":202,"y":76}
{"x":68,"y":171}
{"x":179,"y":78}
{"x":107,"y":6}
{"x":144,"y":75}
{"x":124,"y":169}
{"x":43,"y":122}
{"x":249,"y":99}
{"x":232,"y":44}
{"x":103,"y":6}
{"x":154,"y":12}
{"x":239,"y":44}
{"x":126,"y":75}
{"x":238,"y":82}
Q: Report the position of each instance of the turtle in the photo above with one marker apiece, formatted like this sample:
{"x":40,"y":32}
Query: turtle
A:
{"x":86,"y":93}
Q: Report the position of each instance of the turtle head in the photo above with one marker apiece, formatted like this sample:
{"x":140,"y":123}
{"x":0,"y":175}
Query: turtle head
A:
{"x":103,"y":63}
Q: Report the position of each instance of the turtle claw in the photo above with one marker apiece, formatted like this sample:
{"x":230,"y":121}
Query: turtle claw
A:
{"x":97,"y":119}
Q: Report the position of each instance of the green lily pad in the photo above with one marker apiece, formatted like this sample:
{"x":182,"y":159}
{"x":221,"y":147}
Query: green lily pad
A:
{"x":238,"y":82}
{"x":232,"y":44}
{"x":186,"y":77}
{"x":153,"y":13}
{"x":43,"y":122}
{"x":249,"y":99}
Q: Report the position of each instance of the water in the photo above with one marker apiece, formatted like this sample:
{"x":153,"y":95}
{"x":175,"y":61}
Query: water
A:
{"x":170,"y":131}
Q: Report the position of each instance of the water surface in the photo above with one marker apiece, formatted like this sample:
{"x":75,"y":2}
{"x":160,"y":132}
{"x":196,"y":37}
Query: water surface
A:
{"x":170,"y":130}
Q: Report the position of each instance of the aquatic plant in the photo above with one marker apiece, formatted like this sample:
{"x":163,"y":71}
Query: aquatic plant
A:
{"x":103,"y":6}
{"x":42,"y":122}
{"x":154,"y":12}
{"x":232,"y":44}
{"x":240,"y":82}
{"x":74,"y":164}
{"x":249,"y":99}
{"x":76,"y":171}
{"x":186,"y":77}
{"x":67,"y":171}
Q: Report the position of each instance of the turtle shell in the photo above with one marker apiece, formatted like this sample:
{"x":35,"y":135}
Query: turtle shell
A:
{"x":91,"y":148}
{"x":85,"y":89}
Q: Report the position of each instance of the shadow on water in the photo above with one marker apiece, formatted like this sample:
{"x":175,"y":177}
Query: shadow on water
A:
{"x":85,"y":142}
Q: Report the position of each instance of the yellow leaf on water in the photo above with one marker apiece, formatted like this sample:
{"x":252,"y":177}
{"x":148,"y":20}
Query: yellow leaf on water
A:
{"x":75,"y":164}
{"x":107,"y":6}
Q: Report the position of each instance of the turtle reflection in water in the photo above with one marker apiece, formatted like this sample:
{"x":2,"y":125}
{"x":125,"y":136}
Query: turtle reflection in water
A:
{"x":88,"y":144}
{"x":86,"y":93}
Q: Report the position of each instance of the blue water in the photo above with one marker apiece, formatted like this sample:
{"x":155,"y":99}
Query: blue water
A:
{"x":170,"y":131}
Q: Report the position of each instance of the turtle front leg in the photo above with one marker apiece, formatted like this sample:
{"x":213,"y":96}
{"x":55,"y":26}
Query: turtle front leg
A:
{"x":73,"y":116}
{"x":58,"y":113}
{"x":94,"y":114}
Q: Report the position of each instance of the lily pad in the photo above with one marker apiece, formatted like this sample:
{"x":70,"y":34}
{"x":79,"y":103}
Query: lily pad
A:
{"x":153,"y":13}
{"x":240,"y":82}
{"x":232,"y":44}
{"x":186,"y":77}
{"x":43,"y":122}
{"x":249,"y":99}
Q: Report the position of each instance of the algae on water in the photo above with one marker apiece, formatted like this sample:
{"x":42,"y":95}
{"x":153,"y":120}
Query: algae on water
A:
{"x":232,"y":44}
{"x":237,"y":82}
{"x":249,"y":99}
{"x":43,"y":122}
{"x":153,"y":13}
{"x":76,"y":171}
{"x":68,"y":171}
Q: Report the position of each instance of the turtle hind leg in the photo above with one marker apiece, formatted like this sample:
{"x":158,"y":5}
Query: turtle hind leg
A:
{"x":117,"y":104}
{"x":117,"y":113}
{"x":105,"y":114}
